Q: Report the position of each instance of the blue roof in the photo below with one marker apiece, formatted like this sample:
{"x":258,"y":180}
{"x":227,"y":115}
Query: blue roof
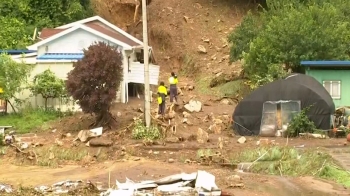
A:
{"x":14,"y":52}
{"x":61,"y":56}
{"x":325,"y":63}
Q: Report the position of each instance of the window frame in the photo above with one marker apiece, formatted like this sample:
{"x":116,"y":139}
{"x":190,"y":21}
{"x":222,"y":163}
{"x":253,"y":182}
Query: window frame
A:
{"x":331,"y":88}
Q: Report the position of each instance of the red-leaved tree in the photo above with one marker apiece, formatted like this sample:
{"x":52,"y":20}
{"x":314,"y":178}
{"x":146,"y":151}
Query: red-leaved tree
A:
{"x":94,"y":81}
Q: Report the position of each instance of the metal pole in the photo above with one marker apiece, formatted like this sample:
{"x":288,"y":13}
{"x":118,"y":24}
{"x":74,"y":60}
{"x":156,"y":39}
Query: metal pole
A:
{"x":146,"y":63}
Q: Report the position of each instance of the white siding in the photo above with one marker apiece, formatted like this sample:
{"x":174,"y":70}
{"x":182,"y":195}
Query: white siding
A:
{"x":136,"y":74}
{"x":73,"y":42}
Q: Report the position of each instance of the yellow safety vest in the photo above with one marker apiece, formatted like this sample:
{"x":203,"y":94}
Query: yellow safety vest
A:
{"x":161,"y":90}
{"x":173,"y":80}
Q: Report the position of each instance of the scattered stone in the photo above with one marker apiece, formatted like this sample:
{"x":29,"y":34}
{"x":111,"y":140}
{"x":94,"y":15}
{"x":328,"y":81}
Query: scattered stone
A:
{"x":242,"y":140}
{"x":186,"y":114}
{"x":220,"y":143}
{"x":24,"y":145}
{"x":68,"y":135}
{"x":215,"y":128}
{"x":37,"y":144}
{"x":201,"y":49}
{"x":100,"y":141}
{"x":171,"y":160}
{"x":155,"y":152}
{"x":140,"y":110}
{"x":226,"y":101}
{"x":137,"y":159}
{"x":187,"y":161}
{"x":190,"y":87}
{"x":172,"y":140}
{"x":217,"y":121}
{"x":186,"y":18}
{"x":53,"y":131}
{"x":244,"y":166}
{"x":119,"y":114}
{"x":234,"y":177}
{"x":85,"y":135}
{"x":123,"y":148}
{"x":193,"y":106}
{"x":87,"y":144}
{"x":58,"y":142}
{"x":52,"y":156}
{"x":202,"y":136}
{"x":206,"y":40}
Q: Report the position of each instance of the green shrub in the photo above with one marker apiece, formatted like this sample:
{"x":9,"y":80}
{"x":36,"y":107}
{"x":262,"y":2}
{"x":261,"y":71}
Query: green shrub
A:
{"x":140,"y":131}
{"x":301,"y":124}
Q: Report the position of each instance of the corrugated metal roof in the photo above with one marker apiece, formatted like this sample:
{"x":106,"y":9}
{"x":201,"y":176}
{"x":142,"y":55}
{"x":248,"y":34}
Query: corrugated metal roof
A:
{"x":324,"y":63}
{"x":61,"y":56}
{"x":14,"y":52}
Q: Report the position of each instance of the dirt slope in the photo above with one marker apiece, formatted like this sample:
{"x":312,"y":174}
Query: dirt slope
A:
{"x":178,"y":27}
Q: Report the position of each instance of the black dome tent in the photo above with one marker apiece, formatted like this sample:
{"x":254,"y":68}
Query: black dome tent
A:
{"x":301,"y":89}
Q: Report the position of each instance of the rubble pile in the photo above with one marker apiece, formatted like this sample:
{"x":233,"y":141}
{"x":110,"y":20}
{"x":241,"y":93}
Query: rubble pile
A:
{"x":200,"y":182}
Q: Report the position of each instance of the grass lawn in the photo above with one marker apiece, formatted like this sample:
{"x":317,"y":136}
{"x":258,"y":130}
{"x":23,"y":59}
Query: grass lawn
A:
{"x":29,"y":119}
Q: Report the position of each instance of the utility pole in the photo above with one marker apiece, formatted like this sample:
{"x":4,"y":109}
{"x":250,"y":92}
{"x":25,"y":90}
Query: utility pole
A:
{"x":146,"y":63}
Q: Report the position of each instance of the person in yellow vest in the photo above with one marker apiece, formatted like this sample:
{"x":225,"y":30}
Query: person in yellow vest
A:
{"x":162,"y":93}
{"x":173,"y":87}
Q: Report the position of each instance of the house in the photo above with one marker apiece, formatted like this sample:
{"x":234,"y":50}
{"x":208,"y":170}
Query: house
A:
{"x":334,"y":75}
{"x":60,"y":47}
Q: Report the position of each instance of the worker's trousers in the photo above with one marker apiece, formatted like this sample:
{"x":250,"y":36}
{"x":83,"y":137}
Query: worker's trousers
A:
{"x":173,"y":93}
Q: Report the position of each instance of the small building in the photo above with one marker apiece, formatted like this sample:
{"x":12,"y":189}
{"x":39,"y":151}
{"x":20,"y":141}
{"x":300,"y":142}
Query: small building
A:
{"x":60,"y":47}
{"x":334,"y":76}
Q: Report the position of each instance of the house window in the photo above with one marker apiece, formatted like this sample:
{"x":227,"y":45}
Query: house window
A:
{"x":333,"y":88}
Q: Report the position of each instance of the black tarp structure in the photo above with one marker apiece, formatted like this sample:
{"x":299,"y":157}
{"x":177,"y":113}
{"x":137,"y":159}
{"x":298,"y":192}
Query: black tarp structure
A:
{"x":248,"y":113}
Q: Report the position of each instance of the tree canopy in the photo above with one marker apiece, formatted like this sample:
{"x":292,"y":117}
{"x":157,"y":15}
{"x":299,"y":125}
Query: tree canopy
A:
{"x":48,"y":85}
{"x":95,"y":80}
{"x":21,"y":17}
{"x":287,"y":32}
{"x":13,"y":76}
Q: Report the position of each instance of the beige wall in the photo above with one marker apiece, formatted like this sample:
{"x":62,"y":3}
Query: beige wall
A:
{"x":61,"y":70}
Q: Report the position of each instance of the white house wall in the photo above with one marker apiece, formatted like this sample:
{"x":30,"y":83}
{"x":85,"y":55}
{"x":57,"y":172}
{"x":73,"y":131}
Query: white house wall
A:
{"x":136,"y":73}
{"x":73,"y":42}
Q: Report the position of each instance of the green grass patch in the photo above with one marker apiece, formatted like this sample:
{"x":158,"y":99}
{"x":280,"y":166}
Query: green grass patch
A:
{"x":230,"y":89}
{"x":292,"y":162}
{"x":30,"y":119}
{"x":202,"y":85}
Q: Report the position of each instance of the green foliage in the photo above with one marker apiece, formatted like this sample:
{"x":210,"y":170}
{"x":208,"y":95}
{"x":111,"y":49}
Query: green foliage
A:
{"x":13,"y":34}
{"x":140,"y":131}
{"x":48,"y":85}
{"x":13,"y":76}
{"x":301,"y":124}
{"x":18,"y":18}
{"x":31,"y":119}
{"x":288,"y":32}
{"x":2,"y":143}
{"x":289,"y":161}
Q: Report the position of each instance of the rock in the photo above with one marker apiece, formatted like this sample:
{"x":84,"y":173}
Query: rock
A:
{"x":226,"y":101}
{"x":217,"y":121}
{"x":190,"y":87}
{"x":186,"y":18}
{"x":68,"y":135}
{"x":119,"y":114}
{"x":242,"y":140}
{"x":172,"y":140}
{"x":87,"y":144}
{"x":244,"y":166}
{"x":234,"y":177}
{"x":187,"y":161}
{"x":24,"y":145}
{"x":186,"y":114}
{"x":220,"y":143}
{"x":201,"y":49}
{"x":140,"y":110}
{"x":123,"y":148}
{"x":100,"y":141}
{"x":53,"y":131}
{"x":206,"y":40}
{"x":52,"y":156}
{"x":202,"y":136}
{"x":171,"y":160}
{"x":193,"y":106}
{"x":215,"y":128}
{"x":137,"y":159}
{"x":58,"y":142}
{"x":85,"y":135}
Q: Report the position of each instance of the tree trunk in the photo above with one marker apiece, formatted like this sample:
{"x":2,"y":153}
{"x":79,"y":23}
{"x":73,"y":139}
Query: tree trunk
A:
{"x":13,"y":108}
{"x":104,"y":119}
{"x":45,"y":103}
